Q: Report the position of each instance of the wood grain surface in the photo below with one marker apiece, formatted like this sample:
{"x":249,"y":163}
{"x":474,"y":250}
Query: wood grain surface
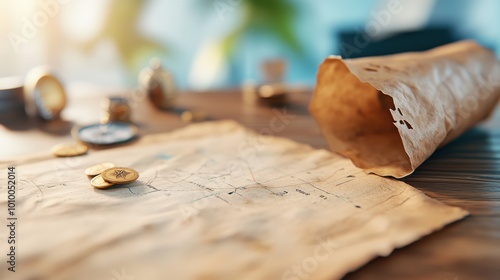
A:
{"x":464,"y":173}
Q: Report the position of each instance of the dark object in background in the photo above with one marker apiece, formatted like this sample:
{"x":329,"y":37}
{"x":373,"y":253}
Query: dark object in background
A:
{"x":354,"y":44}
{"x":11,"y":96}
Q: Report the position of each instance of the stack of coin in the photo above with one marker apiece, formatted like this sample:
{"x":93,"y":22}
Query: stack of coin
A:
{"x":99,"y":183}
{"x":97,"y":169}
{"x":105,"y":175}
{"x":115,"y":109}
{"x":11,"y":96}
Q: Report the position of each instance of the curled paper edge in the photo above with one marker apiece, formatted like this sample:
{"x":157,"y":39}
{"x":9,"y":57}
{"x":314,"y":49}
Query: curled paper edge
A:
{"x":388,"y":114}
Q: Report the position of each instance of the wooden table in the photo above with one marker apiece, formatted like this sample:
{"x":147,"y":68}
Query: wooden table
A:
{"x":465,"y":173}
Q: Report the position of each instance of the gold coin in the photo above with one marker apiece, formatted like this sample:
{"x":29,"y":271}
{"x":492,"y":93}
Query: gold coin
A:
{"x":97,"y":169}
{"x":120,"y":175}
{"x":99,"y":183}
{"x":69,"y":150}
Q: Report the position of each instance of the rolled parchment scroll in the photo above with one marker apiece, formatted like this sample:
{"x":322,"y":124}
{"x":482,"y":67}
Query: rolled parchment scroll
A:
{"x":388,"y":114}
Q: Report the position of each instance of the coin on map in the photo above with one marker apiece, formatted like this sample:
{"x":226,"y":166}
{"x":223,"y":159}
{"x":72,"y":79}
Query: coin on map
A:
{"x":97,"y":169}
{"x":99,"y":183}
{"x":120,"y":175}
{"x":69,"y":150}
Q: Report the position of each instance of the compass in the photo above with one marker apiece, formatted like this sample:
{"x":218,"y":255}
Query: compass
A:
{"x":106,"y":134}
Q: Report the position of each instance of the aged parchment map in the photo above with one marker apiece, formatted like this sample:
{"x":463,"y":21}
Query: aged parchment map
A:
{"x":213,"y":201}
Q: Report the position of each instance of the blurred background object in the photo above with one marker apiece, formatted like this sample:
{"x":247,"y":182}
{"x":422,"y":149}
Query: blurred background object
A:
{"x":11,"y":96}
{"x":158,"y":84}
{"x":44,"y":94}
{"x":209,"y":44}
{"x":115,"y":109}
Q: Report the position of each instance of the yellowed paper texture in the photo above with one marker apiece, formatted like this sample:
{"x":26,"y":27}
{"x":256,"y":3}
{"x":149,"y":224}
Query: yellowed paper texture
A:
{"x":213,"y":201}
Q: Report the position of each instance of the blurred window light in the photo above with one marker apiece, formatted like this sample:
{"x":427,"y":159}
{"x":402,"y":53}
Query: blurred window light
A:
{"x":82,"y":20}
{"x":401,"y":15}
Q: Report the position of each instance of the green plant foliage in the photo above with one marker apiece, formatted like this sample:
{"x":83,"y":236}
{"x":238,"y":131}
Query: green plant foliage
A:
{"x":120,"y":26}
{"x":271,"y":17}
